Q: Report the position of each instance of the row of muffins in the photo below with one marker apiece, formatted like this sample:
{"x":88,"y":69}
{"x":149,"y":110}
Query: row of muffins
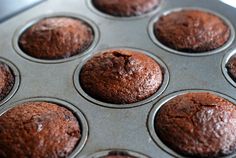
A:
{"x":197,"y":124}
{"x":196,"y":31}
{"x":116,"y":76}
{"x":192,"y":31}
{"x":29,"y":130}
{"x":112,"y":61}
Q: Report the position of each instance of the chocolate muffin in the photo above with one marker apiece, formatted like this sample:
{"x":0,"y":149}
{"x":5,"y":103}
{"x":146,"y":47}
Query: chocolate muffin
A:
{"x":192,"y":31}
{"x":38,"y":129}
{"x":231,"y":67}
{"x":56,"y":38}
{"x":125,"y":8}
{"x":118,"y":154}
{"x":121,"y":76}
{"x":6,"y":80}
{"x":198,"y":124}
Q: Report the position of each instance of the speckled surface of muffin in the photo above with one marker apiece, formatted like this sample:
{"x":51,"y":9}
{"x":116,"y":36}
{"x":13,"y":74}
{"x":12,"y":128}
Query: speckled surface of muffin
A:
{"x":231,"y":67}
{"x":121,"y":76}
{"x":125,"y":8}
{"x":118,"y":154}
{"x":38,"y":129}
{"x":199,"y":124}
{"x":192,"y":31}
{"x":7,"y":80}
{"x":56,"y":38}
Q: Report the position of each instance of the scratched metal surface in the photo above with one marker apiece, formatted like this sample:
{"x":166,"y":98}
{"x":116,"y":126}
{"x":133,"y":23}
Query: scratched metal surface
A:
{"x":109,"y":127}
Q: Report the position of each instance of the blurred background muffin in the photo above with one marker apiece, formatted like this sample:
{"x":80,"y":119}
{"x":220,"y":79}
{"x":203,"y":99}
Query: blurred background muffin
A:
{"x":125,"y":8}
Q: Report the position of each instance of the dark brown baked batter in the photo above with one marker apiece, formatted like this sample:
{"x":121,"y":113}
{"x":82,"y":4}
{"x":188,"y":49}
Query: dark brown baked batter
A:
{"x":6,"y":80}
{"x":121,"y":76}
{"x":198,"y":125}
{"x":118,"y":154}
{"x":231,"y":67}
{"x":192,"y":31}
{"x":125,"y":8}
{"x":56,"y":38}
{"x":38,"y":129}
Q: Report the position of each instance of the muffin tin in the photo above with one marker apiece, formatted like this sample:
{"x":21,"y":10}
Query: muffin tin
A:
{"x":120,"y":127}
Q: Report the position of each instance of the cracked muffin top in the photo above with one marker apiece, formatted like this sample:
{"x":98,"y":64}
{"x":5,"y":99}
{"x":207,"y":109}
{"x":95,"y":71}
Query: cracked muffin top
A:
{"x":56,"y":38}
{"x":6,"y":80}
{"x":192,"y":31}
{"x":125,"y":8}
{"x":231,"y":67}
{"x":198,"y":124}
{"x":121,"y":76}
{"x":38,"y":129}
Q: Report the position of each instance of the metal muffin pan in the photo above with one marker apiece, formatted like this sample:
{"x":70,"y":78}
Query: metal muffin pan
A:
{"x":108,"y":127}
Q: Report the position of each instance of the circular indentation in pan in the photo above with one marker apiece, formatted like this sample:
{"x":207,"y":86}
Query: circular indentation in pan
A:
{"x":226,"y":59}
{"x":118,"y":152}
{"x":23,"y":28}
{"x":108,"y":16}
{"x":76,"y":112}
{"x":160,"y":103}
{"x":120,"y":106}
{"x":217,"y":50}
{"x":16,"y":75}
